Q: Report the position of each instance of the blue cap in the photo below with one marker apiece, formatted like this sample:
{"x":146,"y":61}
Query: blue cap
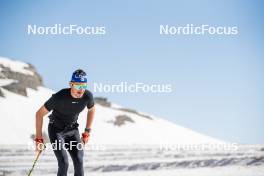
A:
{"x":79,"y":76}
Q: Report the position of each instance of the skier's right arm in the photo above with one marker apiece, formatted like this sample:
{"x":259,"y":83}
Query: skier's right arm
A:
{"x":44,"y":110}
{"x":39,"y":121}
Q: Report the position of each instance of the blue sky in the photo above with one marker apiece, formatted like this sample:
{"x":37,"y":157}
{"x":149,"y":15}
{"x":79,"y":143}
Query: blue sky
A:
{"x":217,"y":80}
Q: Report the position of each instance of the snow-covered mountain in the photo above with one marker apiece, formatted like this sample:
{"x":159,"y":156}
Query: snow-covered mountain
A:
{"x":22,"y":93}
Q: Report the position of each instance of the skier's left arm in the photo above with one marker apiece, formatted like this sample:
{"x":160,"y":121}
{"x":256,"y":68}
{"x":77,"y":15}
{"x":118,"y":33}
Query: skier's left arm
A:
{"x":90,"y":117}
{"x":91,"y":110}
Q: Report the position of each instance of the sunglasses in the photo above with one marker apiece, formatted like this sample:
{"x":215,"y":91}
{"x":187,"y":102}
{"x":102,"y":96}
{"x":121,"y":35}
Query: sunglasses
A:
{"x":79,"y":86}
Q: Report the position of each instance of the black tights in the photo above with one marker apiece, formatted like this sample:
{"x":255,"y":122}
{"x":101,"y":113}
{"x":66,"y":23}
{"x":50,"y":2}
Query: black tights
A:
{"x":62,"y":138}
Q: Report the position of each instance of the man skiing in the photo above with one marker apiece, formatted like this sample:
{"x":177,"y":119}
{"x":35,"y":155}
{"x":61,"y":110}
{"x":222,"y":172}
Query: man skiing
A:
{"x":63,"y":127}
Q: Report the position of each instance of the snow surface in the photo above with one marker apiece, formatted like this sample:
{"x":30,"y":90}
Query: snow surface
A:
{"x":4,"y":82}
{"x":221,"y":171}
{"x":18,"y":120}
{"x":15,"y":66}
{"x":245,"y":161}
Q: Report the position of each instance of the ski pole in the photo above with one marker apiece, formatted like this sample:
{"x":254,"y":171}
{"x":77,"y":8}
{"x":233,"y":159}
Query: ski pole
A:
{"x":35,"y":161}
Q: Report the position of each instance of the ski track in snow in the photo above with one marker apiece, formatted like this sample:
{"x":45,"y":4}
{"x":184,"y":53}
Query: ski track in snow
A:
{"x":245,"y":161}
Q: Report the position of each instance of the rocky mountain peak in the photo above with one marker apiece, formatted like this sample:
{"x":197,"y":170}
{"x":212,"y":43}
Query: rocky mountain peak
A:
{"x":17,"y":76}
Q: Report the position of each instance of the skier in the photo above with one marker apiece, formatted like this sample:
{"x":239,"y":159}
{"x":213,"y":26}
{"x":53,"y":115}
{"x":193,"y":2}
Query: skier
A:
{"x":63,"y":127}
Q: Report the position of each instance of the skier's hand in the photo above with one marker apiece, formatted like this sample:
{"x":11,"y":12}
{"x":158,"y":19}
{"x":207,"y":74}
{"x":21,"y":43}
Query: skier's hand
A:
{"x":39,"y":144}
{"x":85,"y":137}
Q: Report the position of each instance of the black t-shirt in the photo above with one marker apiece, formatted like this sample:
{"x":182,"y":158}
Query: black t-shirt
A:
{"x":65,"y":108}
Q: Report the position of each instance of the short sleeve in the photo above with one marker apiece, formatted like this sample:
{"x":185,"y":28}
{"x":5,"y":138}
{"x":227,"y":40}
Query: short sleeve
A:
{"x":50,"y":104}
{"x":90,"y":102}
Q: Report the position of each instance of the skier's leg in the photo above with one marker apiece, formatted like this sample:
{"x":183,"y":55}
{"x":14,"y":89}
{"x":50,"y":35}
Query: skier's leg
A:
{"x":76,"y":153}
{"x":59,"y":151}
